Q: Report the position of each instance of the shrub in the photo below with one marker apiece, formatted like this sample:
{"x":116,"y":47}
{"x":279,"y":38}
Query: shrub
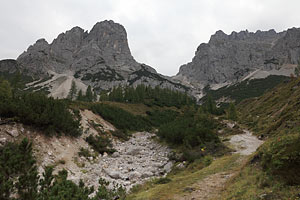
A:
{"x":190,"y":129}
{"x":123,"y":135}
{"x":158,"y":117}
{"x":84,"y":152}
{"x":36,"y":109}
{"x":281,"y":157}
{"x":100,"y":144}
{"x":163,"y":180}
{"x":18,"y":171}
{"x":46,"y":113}
{"x":19,"y":177}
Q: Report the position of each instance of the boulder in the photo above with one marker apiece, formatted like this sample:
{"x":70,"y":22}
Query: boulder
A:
{"x":147,"y":174}
{"x":134,"y":175}
{"x":113,"y":174}
{"x":115,"y":154}
{"x":168,"y":167}
{"x":13,"y":132}
{"x":134,"y":151}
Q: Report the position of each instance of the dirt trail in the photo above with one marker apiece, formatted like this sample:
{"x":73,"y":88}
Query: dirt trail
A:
{"x":210,"y":187}
{"x":245,"y":144}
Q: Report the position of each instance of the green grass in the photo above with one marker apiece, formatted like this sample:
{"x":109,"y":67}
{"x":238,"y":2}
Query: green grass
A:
{"x":181,"y":180}
{"x":136,"y":109}
{"x":252,"y":183}
{"x":274,"y":170}
{"x":275,"y":112}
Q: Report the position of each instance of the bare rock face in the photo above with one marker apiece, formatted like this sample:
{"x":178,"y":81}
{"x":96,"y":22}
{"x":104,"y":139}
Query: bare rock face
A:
{"x":100,"y":58}
{"x":229,"y":58}
{"x":8,"y":66}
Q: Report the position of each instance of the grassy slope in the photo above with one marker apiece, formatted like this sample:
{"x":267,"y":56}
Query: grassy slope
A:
{"x":273,"y":172}
{"x":252,"y":183}
{"x":246,"y":89}
{"x":182,"y":180}
{"x":136,"y":109}
{"x":133,"y":108}
{"x":275,"y":112}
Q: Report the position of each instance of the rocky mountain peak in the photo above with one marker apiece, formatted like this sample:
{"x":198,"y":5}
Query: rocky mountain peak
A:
{"x":100,"y":58}
{"x":39,"y":45}
{"x":227,"y":59}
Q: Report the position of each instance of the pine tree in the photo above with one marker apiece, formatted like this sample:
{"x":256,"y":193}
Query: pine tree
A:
{"x":297,"y":69}
{"x":5,"y":90}
{"x":232,"y":112}
{"x":210,"y":105}
{"x":80,"y":96}
{"x":89,"y":94}
{"x":95,"y":97}
{"x":104,"y":97}
{"x":73,"y":91}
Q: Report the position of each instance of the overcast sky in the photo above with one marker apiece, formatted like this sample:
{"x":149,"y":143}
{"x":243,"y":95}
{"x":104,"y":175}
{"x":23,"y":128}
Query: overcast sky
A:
{"x":161,"y":33}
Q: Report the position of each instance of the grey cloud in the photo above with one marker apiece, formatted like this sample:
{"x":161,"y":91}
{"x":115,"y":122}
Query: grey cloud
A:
{"x":161,"y":33}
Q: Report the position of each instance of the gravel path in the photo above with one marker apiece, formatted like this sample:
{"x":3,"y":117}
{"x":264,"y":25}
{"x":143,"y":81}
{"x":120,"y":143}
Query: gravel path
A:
{"x":245,"y":144}
{"x":211,"y":186}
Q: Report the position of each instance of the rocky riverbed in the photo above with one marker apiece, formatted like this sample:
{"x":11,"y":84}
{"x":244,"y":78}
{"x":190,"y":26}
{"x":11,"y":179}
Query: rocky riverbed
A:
{"x":135,"y":161}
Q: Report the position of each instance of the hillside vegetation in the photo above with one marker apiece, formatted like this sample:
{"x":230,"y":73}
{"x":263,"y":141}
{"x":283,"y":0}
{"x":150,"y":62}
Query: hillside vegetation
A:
{"x":149,"y":96}
{"x":189,"y":128}
{"x":273,"y":172}
{"x":245,"y":89}
{"x":36,"y":109}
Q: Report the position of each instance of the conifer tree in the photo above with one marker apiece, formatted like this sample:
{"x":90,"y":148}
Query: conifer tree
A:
{"x":297,"y":69}
{"x":80,"y":96}
{"x":73,"y":91}
{"x":232,"y":112}
{"x":95,"y":97}
{"x":89,"y":94}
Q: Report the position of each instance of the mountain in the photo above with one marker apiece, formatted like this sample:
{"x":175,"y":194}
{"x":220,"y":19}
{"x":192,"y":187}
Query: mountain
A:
{"x":100,"y":58}
{"x":228,"y":59}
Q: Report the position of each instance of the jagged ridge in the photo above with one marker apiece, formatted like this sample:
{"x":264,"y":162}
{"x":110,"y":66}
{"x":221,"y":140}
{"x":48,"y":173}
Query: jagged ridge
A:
{"x":227,"y":59}
{"x":100,"y":58}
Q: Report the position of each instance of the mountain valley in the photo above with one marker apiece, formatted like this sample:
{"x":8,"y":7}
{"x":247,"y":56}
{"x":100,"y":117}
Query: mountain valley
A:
{"x":81,"y":119}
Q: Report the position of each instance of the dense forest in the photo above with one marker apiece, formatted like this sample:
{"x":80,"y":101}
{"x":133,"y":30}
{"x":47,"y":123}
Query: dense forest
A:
{"x":149,"y":96}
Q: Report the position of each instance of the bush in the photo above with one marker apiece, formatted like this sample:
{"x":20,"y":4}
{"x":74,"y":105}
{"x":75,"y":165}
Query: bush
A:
{"x":38,"y":110}
{"x":100,"y":144}
{"x":281,"y":157}
{"x":190,"y":129}
{"x":46,"y":113}
{"x":18,"y":171}
{"x":84,"y":152}
{"x":123,"y":135}
{"x":19,"y":177}
{"x":158,"y":117}
{"x":163,"y":180}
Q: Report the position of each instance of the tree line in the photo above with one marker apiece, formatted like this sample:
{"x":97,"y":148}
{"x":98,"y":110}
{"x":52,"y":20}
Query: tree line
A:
{"x":89,"y":95}
{"x":148,"y":95}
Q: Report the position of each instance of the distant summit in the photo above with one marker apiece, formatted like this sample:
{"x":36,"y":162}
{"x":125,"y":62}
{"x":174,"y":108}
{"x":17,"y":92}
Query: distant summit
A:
{"x":100,"y":58}
{"x":227,"y":59}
